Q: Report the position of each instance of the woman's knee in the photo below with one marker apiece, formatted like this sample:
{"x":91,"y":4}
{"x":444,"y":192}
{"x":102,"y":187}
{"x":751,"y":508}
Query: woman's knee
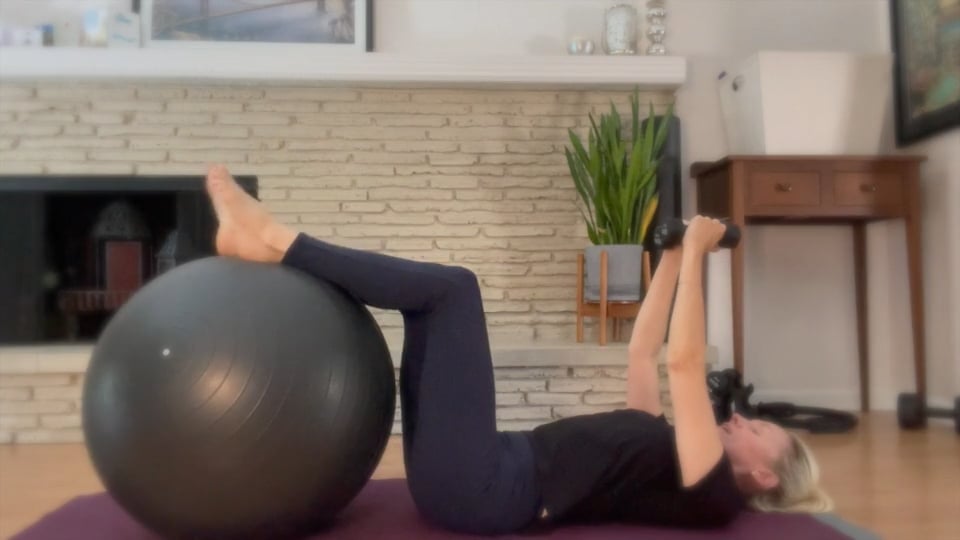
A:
{"x":463,"y":280}
{"x":461,"y":276}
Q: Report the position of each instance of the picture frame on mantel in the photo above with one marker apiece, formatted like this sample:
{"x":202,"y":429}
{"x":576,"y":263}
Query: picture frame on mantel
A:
{"x":308,"y":26}
{"x":926,"y":73}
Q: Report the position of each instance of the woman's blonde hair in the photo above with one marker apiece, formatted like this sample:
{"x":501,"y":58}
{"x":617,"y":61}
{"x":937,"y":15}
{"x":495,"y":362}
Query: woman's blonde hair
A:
{"x":799,"y":488}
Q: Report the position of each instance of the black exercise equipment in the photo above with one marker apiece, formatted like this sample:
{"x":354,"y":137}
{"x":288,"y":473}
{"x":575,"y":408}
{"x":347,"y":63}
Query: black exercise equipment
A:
{"x":728,"y":395}
{"x":231,"y":399}
{"x":669,"y":180}
{"x":670,"y":234}
{"x":912,"y":412}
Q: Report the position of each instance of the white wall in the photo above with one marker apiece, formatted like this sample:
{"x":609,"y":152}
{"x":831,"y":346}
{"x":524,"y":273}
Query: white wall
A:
{"x":485,"y":26}
{"x":941,"y":176}
{"x":800,"y":311}
{"x":800,"y":317}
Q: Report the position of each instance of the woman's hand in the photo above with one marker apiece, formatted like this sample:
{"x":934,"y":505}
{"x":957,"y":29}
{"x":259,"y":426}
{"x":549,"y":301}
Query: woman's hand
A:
{"x":703,"y":234}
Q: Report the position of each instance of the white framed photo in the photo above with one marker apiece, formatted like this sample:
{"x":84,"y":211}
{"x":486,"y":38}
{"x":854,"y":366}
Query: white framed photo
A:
{"x":291,"y":25}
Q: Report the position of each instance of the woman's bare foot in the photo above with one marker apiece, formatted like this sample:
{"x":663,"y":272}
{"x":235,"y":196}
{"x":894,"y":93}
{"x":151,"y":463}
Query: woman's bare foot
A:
{"x":246,"y":231}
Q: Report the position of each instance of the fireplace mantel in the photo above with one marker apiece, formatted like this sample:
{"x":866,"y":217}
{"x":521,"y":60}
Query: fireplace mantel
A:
{"x":210,"y":65}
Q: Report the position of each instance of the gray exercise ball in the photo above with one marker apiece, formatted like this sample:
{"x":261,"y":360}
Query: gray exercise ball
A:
{"x":230,"y":399}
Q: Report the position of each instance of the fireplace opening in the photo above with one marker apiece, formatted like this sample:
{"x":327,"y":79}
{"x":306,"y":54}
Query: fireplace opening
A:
{"x":77,"y":248}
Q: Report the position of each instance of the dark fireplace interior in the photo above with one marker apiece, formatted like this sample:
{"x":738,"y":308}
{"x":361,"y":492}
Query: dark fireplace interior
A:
{"x":76,"y":248}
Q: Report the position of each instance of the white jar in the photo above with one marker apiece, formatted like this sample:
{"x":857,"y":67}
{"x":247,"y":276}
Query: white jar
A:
{"x":620,"y":30}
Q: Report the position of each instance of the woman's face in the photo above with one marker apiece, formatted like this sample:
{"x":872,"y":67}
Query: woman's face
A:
{"x":754,"y":446}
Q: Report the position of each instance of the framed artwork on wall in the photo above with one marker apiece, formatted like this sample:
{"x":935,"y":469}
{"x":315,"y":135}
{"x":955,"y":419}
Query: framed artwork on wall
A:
{"x":926,"y":46}
{"x":332,"y":25}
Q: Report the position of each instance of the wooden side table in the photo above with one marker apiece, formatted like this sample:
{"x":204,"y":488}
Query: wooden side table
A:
{"x":821,"y":189}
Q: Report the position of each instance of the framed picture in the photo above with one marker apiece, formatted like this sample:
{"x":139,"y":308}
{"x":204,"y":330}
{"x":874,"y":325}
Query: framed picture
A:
{"x":334,"y":25}
{"x":926,"y":45}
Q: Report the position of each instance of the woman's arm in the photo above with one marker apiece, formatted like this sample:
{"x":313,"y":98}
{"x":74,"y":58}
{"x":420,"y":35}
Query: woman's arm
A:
{"x":649,"y":331}
{"x":698,"y":443}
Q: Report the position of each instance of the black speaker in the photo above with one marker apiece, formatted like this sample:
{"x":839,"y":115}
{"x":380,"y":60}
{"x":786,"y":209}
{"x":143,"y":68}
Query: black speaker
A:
{"x":668,"y":181}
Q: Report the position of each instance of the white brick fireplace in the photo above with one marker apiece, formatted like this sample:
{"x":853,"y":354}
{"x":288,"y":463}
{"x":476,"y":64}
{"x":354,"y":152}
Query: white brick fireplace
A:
{"x":461,"y":172}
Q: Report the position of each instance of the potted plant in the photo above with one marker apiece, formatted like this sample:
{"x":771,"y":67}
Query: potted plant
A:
{"x":616,"y":181}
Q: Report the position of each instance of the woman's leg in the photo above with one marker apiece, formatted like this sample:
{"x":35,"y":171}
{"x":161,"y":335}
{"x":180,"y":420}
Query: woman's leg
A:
{"x":463,"y":474}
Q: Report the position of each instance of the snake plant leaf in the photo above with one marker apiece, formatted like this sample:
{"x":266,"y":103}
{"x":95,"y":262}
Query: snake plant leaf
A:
{"x":632,"y":202}
{"x":614,"y":173}
{"x":649,"y":213}
{"x":661,"y":136}
{"x":584,"y":189}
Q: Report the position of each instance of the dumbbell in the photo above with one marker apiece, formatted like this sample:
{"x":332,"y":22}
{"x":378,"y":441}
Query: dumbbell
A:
{"x":913,"y":413}
{"x":670,"y":233}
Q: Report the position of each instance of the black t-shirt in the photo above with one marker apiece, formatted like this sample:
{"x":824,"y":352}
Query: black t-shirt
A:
{"x":623,"y":466}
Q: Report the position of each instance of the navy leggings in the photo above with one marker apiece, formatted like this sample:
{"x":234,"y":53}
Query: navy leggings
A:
{"x":463,"y":474}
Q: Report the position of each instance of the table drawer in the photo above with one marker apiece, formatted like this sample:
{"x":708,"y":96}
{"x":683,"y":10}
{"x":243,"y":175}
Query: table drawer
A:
{"x":868,"y":189}
{"x":768,"y":188}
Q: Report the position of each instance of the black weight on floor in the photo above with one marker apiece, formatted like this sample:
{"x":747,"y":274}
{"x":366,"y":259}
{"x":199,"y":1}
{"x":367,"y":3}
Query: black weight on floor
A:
{"x":912,"y":413}
{"x":229,"y":399}
{"x":956,"y":414}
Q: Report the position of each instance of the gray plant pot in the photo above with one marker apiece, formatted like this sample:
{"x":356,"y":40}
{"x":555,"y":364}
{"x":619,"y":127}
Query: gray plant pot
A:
{"x":624,"y":272}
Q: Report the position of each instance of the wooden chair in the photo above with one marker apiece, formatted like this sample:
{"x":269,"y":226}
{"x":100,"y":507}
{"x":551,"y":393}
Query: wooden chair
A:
{"x":618,"y":311}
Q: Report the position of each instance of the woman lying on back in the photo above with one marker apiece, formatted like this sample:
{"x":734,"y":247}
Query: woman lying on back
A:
{"x":626,"y":465}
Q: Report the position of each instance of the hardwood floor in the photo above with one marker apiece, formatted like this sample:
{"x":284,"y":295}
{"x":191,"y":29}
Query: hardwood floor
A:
{"x":901,"y":485}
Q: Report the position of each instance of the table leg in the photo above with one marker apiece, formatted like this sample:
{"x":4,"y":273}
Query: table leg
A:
{"x":738,"y":176}
{"x":915,"y":270}
{"x":860,"y":280}
{"x":603,"y":297}
{"x":580,"y":298}
{"x":736,"y":269}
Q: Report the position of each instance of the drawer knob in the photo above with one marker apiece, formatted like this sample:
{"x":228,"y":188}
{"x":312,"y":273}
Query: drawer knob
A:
{"x":784,"y":187}
{"x":868,"y":188}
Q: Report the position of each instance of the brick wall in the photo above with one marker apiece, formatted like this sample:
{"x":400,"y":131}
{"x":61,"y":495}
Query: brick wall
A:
{"x":40,"y":408}
{"x":45,"y":408}
{"x":470,"y":177}
{"x":475,"y":178}
{"x":528,"y":397}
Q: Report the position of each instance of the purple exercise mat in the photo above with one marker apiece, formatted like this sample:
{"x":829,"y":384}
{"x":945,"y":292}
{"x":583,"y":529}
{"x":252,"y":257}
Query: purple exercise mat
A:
{"x":384,"y":510}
